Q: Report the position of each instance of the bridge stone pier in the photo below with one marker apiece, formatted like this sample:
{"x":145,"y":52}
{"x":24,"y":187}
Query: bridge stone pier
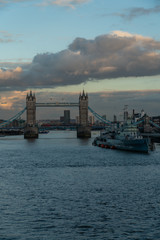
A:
{"x":31,"y":129}
{"x":83,"y":130}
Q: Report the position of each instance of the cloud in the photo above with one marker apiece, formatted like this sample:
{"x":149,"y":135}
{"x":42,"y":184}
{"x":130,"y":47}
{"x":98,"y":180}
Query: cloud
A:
{"x":12,"y":1}
{"x":138,"y":12}
{"x":10,"y":101}
{"x":64,"y":3}
{"x":6,"y":2}
{"x":115,"y":55}
{"x":10,"y":74}
{"x":6,"y":37}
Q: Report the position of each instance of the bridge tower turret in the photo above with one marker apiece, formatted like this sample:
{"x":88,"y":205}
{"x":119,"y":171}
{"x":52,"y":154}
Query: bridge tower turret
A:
{"x":83,"y":130}
{"x":31,"y":129}
{"x":31,"y":109}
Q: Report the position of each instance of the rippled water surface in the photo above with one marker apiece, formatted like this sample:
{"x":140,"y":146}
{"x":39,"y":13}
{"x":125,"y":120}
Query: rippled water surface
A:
{"x":63,"y":188}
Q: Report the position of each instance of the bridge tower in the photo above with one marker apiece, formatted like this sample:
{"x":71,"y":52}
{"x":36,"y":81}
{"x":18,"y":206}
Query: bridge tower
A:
{"x":83,"y":130}
{"x":147,"y":126}
{"x":31,"y":129}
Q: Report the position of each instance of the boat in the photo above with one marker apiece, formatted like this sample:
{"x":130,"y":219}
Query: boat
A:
{"x":127,"y":138}
{"x":43,"y":131}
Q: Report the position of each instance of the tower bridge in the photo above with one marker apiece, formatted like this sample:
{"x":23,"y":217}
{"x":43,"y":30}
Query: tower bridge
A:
{"x":83,"y":129}
{"x":31,"y":129}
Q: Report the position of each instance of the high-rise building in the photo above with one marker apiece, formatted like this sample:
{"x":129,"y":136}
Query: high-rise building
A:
{"x":125,"y":116}
{"x":114,"y":118}
{"x":66,"y":116}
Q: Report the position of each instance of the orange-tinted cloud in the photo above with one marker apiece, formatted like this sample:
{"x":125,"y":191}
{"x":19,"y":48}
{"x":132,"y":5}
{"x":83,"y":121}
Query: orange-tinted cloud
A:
{"x":63,"y":3}
{"x":12,"y":100}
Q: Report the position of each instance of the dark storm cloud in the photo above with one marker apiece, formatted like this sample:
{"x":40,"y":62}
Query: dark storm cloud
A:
{"x":108,"y":56}
{"x":137,"y":12}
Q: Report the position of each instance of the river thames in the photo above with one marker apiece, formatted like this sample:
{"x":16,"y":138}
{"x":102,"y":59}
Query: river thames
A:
{"x":59,"y":187}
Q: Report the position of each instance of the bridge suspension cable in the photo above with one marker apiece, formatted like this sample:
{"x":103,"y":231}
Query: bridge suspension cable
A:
{"x":99,"y":117}
{"x":151,"y":122}
{"x":139,"y":122}
{"x":12,"y":118}
{"x":154,"y":124}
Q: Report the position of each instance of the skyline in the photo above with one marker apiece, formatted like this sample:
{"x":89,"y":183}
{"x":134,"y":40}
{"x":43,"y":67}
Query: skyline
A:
{"x":57,"y":48}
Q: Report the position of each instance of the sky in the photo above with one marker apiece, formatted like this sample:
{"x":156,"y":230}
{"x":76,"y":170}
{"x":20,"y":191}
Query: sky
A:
{"x":57,"y":48}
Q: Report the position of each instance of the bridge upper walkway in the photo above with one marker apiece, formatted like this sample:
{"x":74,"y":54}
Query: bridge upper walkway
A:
{"x":57,"y":104}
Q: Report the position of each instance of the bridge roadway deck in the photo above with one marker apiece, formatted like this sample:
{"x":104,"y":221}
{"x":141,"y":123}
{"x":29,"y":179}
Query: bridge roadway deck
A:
{"x":155,"y":137}
{"x":57,"y":104}
{"x":150,"y":134}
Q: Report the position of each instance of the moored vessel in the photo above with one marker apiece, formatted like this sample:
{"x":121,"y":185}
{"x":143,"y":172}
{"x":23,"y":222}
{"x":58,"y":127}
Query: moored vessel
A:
{"x":128,"y":139}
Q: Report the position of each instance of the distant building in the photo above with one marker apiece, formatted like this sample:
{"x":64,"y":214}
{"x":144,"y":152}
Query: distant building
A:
{"x":62,"y":119}
{"x":137,"y":116}
{"x":156,"y":119}
{"x":73,"y":121}
{"x":114,"y":119}
{"x":66,"y":116}
{"x":147,"y":127}
{"x":91,"y":119}
{"x":17,"y":123}
{"x":125,"y":116}
{"x":77,"y":119}
{"x":142,"y":113}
